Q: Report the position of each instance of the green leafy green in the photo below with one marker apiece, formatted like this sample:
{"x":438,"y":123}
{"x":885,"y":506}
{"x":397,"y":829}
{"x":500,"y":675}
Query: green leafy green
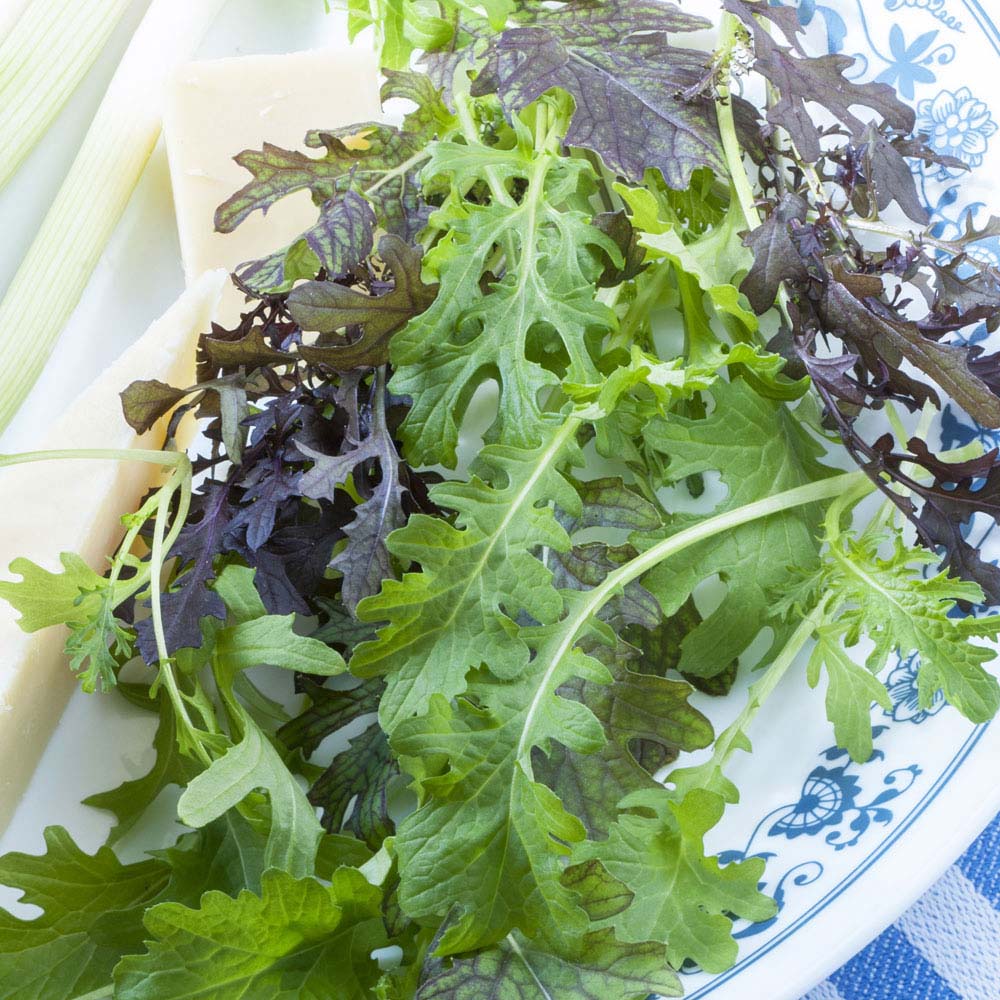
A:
{"x":93,"y":910}
{"x":599,"y":968}
{"x":441,"y":624}
{"x":487,"y":321}
{"x":293,"y":940}
{"x":881,"y":598}
{"x":756,"y":448}
{"x":254,"y":764}
{"x":659,"y":842}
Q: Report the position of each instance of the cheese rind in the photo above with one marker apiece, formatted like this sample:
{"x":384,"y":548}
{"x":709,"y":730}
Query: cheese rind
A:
{"x":216,"y":109}
{"x":76,"y":506}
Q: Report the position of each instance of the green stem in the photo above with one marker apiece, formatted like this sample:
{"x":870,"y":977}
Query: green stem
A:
{"x":907,"y":236}
{"x":638,"y":311}
{"x":731,"y":33}
{"x":824,"y":489}
{"x":614,"y":583}
{"x":163,"y":541}
{"x":168,"y":459}
{"x":731,"y":148}
{"x":398,"y":171}
{"x":733,"y":737}
{"x":157,"y":558}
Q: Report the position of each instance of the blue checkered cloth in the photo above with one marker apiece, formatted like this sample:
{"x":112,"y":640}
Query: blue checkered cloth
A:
{"x":945,"y":947}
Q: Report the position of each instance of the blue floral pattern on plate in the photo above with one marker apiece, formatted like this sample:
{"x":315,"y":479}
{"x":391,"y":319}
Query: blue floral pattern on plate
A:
{"x":956,"y":123}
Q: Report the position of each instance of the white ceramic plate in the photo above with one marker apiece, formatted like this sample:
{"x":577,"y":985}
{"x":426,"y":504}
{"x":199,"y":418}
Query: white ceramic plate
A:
{"x":848,"y":847}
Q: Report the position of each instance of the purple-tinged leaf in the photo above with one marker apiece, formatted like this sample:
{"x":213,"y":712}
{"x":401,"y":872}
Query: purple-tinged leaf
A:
{"x":328,"y":307}
{"x":627,"y":82}
{"x":775,"y":256}
{"x":801,"y":79}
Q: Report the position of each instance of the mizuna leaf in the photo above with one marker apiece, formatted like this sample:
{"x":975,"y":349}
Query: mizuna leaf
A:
{"x":660,"y":844}
{"x":775,"y":256}
{"x":370,"y":159}
{"x":757,"y":449}
{"x":879,"y":333}
{"x":472,"y":332}
{"x":851,"y":689}
{"x":327,"y":307}
{"x":253,"y":764}
{"x":82,"y":600}
{"x":898,"y":610}
{"x":292,"y":941}
{"x":227,"y":855}
{"x":92,"y":916}
{"x":635,"y":709}
{"x":629,"y":106}
{"x":145,"y":402}
{"x":474,"y":764}
{"x":271,"y":640}
{"x":598,"y":968}
{"x":475,"y":577}
{"x":715,"y":259}
{"x":44,"y":599}
{"x":365,"y":560}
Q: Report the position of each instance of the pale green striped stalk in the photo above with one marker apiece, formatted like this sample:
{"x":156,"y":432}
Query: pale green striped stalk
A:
{"x":42,"y":60}
{"x":55,"y":271}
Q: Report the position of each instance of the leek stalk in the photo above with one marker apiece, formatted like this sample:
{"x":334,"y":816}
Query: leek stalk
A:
{"x":48,"y":285}
{"x":42,"y":60}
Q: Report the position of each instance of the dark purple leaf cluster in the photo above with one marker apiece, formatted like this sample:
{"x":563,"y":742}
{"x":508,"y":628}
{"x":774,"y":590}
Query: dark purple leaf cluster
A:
{"x":872,"y":323}
{"x":303,"y":478}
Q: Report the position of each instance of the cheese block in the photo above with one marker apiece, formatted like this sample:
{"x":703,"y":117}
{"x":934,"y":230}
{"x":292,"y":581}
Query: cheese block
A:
{"x":76,"y":506}
{"x":216,"y":109}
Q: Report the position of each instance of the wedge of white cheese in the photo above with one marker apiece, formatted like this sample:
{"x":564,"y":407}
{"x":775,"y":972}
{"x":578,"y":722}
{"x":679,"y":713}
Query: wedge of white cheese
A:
{"x":76,"y":506}
{"x":216,"y":109}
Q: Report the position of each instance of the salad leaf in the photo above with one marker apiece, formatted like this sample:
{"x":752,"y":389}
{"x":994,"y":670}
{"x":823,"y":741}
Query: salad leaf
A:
{"x":627,"y":104}
{"x":371,"y":159}
{"x":291,"y":941}
{"x":799,"y":79}
{"x":327,"y":307}
{"x":470,"y":332}
{"x":882,"y":599}
{"x":337,"y":243}
{"x":519,"y":969}
{"x":755,"y":449}
{"x":251,"y":764}
{"x":637,"y":710}
{"x":475,"y":577}
{"x":660,"y":843}
{"x":93,"y":910}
